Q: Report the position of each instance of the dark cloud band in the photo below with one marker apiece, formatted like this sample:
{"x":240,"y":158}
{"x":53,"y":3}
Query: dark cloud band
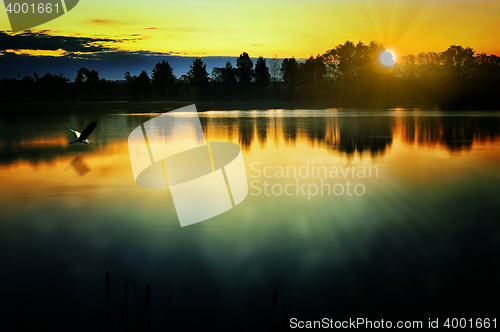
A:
{"x":43,"y":41}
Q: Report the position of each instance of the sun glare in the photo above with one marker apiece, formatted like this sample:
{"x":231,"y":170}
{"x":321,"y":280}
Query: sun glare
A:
{"x":387,"y":58}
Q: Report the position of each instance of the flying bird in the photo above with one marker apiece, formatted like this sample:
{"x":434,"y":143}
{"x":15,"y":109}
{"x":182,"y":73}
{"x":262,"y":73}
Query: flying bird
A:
{"x":83,"y":136}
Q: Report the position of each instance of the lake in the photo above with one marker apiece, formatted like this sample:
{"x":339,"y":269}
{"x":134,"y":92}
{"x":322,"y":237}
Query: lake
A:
{"x":378,"y":213}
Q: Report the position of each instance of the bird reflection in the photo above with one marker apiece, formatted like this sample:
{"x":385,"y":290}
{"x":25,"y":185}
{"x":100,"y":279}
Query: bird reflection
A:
{"x":78,"y":164}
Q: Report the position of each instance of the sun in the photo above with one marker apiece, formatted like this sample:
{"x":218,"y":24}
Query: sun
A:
{"x":387,"y":58}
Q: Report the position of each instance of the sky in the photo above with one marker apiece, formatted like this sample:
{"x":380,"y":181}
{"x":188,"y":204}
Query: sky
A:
{"x":226,"y":28}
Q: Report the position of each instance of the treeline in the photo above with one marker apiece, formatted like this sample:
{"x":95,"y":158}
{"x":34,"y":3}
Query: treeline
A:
{"x":348,"y":72}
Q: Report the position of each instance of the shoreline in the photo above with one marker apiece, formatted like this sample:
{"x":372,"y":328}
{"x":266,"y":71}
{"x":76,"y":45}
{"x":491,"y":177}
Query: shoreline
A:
{"x":148,"y":106}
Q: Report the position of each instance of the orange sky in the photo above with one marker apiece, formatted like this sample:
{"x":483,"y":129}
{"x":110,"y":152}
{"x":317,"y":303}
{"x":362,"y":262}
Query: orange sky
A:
{"x":286,"y":28}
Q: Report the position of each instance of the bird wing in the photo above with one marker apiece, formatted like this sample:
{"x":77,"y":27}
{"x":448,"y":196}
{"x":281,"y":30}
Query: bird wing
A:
{"x":77,"y":133}
{"x":87,"y":131}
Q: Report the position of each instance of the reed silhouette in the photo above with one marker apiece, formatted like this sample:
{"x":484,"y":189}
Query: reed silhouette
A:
{"x":106,"y":281}
{"x":275,"y":303}
{"x":139,"y":312}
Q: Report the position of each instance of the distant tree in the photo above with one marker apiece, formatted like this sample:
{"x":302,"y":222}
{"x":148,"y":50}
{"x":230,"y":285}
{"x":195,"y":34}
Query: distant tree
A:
{"x":361,"y":57}
{"x":52,"y":80}
{"x":275,"y":69}
{"x":455,"y":62}
{"x":81,"y":75}
{"x":184,"y":78}
{"x":459,"y":61}
{"x":244,"y":69}
{"x":84,"y":75}
{"x":374,"y":51}
{"x":128,"y":78}
{"x":217,"y":74}
{"x":143,"y":84}
{"x":487,"y":67}
{"x":30,"y":80}
{"x":130,"y":83}
{"x":226,"y":75}
{"x":138,"y":85}
{"x":197,"y":74}
{"x":367,"y":61}
{"x":345,"y":55}
{"x":290,"y":72}
{"x":430,"y":66}
{"x":340,"y":62}
{"x":348,"y":63}
{"x":312,"y":73}
{"x":93,"y":77}
{"x":408,"y":66}
{"x":314,"y":69}
{"x":262,"y":76}
{"x":163,"y":77}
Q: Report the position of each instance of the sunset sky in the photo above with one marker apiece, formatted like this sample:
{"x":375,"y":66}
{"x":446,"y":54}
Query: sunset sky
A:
{"x":283,"y":27}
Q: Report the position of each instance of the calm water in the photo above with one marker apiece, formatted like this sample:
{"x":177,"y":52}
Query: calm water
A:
{"x":416,"y":237}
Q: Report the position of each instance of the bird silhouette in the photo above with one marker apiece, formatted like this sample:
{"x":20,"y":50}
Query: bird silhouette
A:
{"x":83,"y":136}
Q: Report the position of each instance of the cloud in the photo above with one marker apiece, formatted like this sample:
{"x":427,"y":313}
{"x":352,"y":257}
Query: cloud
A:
{"x":118,"y":55}
{"x":43,"y":41}
{"x":105,"y":22}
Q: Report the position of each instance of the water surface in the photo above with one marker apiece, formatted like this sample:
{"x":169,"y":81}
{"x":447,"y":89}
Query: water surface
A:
{"x":420,"y":241}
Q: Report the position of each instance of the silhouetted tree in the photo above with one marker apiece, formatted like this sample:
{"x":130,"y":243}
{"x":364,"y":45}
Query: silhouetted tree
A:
{"x":217,"y":74}
{"x":244,"y":69}
{"x":224,"y":79}
{"x":184,"y":79}
{"x":93,"y":77}
{"x":128,"y":78}
{"x":487,"y":67}
{"x":229,"y":76}
{"x":408,"y":67}
{"x":81,"y":75}
{"x":314,"y":69}
{"x":262,"y":76}
{"x":459,"y":61}
{"x":290,"y":72}
{"x":313,"y":72}
{"x":84,"y":75}
{"x":226,"y":75}
{"x":52,"y":80}
{"x":430,"y":67}
{"x":197,"y":74}
{"x":130,"y":83}
{"x":341,"y":61}
{"x":455,"y":62}
{"x":143,"y":84}
{"x":367,"y":61}
{"x":348,"y":63}
{"x":163,"y":77}
{"x":138,"y":85}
